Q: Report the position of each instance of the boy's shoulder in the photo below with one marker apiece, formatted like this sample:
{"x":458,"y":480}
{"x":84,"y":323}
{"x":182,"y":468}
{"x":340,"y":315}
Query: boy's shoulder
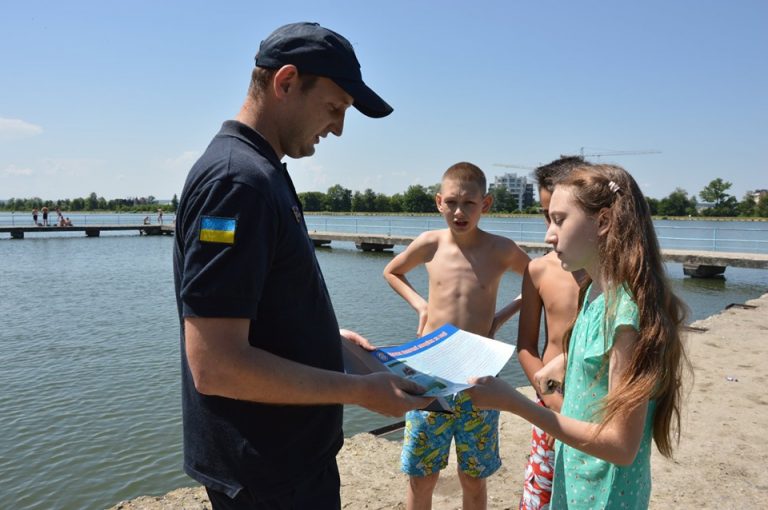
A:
{"x":548,"y":267}
{"x":432,"y":236}
{"x":427,"y":243}
{"x":503,"y":248}
{"x":497,"y":240}
{"x":543,"y":263}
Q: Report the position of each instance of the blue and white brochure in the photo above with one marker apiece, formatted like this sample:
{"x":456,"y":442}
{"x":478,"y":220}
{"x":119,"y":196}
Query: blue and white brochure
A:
{"x":445,"y":359}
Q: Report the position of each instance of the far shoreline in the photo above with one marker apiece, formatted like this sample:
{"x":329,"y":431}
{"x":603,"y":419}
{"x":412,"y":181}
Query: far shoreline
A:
{"x":528,"y":215}
{"x":167,"y":210}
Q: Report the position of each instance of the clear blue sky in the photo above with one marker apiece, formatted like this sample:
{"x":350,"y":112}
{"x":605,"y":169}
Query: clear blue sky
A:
{"x":121,"y":97}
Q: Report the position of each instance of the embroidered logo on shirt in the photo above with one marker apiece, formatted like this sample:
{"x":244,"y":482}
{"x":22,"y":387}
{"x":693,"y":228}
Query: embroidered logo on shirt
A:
{"x":296,"y":213}
{"x":217,"y":230}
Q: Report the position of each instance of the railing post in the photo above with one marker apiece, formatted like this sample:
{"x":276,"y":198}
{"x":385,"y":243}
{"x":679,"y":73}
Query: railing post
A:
{"x":714,"y":238}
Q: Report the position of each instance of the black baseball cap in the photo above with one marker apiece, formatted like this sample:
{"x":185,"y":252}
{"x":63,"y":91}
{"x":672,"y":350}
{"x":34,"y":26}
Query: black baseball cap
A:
{"x":317,"y":50}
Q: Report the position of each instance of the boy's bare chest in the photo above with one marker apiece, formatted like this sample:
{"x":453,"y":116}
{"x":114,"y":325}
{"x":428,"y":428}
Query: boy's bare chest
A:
{"x":462,"y":269}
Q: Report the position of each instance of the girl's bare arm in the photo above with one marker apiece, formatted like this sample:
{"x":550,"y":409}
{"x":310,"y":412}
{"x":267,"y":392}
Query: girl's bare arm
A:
{"x":618,"y":442}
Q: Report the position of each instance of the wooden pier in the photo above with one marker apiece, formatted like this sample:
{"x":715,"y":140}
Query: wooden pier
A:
{"x":696,"y":263}
{"x":376,"y":242}
{"x":90,"y":230}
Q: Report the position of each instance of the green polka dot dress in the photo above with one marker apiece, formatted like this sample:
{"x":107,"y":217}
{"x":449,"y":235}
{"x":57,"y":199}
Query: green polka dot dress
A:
{"x":582,"y":481}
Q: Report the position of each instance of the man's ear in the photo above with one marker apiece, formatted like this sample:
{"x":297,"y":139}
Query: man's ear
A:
{"x":603,"y":221}
{"x":439,"y":201}
{"x":487,"y":202}
{"x":285,"y":79}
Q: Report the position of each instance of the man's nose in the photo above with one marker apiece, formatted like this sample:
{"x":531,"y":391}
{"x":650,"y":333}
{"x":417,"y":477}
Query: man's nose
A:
{"x":338,"y":125}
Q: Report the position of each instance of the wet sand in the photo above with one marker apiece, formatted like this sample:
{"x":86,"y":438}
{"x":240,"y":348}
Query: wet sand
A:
{"x":720,"y":462}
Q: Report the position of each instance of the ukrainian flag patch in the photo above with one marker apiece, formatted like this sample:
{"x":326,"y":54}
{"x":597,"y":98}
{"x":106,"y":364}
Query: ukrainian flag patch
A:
{"x":217,"y":230}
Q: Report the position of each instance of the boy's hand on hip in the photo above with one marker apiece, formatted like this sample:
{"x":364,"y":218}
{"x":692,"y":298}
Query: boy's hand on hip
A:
{"x":422,"y":322}
{"x":550,"y":377}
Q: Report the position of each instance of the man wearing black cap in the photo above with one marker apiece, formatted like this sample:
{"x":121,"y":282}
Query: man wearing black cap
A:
{"x":262,"y":375}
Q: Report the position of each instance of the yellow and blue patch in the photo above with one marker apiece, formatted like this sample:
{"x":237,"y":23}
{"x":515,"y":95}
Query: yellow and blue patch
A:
{"x":217,"y":230}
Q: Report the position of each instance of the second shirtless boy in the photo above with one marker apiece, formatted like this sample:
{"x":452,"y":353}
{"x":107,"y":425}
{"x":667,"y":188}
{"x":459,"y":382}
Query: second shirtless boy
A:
{"x":465,"y":266}
{"x":548,"y":287}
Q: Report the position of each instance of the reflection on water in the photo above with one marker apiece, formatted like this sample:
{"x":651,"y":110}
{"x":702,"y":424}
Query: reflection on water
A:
{"x":697,"y":285}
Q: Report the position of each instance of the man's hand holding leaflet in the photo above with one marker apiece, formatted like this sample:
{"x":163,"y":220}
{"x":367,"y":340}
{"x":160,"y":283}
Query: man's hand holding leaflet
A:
{"x":441,"y":361}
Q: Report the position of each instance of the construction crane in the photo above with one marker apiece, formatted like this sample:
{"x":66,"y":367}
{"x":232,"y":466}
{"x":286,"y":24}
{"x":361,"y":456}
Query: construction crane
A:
{"x":521,"y":167}
{"x":605,"y":153}
{"x":616,"y":153}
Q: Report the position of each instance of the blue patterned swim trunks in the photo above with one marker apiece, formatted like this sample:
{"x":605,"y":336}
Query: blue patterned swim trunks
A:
{"x":428,"y":436}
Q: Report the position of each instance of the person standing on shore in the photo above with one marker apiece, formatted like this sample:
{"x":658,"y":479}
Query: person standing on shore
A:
{"x":159,"y":216}
{"x":34,"y":216}
{"x":44,"y":210}
{"x":262,"y":371}
{"x":465,"y":266}
{"x":546,"y":287}
{"x":623,"y":372}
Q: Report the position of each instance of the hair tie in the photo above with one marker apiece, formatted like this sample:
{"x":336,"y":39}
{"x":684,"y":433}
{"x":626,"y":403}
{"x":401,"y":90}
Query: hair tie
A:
{"x":614,"y":187}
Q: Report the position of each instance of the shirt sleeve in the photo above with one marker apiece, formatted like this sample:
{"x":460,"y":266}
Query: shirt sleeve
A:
{"x":626,"y":313}
{"x":229,"y":238}
{"x":621,"y":310}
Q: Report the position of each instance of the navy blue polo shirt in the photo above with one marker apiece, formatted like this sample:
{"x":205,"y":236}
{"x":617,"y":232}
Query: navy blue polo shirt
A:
{"x":242,"y":251}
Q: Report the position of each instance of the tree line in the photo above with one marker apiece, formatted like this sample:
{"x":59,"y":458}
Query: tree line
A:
{"x":717,"y":202}
{"x":90,"y":203}
{"x":420,"y":199}
{"x":416,"y":199}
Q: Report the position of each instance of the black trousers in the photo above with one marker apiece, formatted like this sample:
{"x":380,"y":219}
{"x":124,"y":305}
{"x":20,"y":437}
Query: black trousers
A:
{"x":316,"y":492}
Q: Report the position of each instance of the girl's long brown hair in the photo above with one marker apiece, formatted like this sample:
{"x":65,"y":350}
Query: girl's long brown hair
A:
{"x":629,"y":255}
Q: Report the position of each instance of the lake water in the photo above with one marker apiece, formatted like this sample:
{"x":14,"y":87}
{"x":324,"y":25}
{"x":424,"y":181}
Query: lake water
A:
{"x":89,"y":363}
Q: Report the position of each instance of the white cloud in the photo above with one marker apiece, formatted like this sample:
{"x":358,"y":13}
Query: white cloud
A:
{"x":17,"y":171}
{"x":373,"y":181}
{"x":71,"y":167}
{"x":11,"y":129}
{"x":308,"y":175}
{"x":170,"y":172}
{"x":183,"y":161}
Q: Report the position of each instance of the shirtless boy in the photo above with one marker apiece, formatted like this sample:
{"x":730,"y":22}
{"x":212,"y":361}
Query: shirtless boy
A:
{"x":546,"y":285}
{"x":465,"y":266}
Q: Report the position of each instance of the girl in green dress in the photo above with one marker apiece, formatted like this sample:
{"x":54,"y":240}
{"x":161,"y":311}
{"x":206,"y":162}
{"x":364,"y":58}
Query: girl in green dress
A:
{"x":621,"y":376}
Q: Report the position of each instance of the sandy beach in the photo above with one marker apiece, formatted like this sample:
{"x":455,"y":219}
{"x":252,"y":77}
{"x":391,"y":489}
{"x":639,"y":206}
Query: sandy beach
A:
{"x":720,"y":462}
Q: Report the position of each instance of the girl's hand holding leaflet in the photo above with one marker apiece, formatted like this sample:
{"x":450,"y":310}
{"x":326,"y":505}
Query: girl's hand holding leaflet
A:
{"x":491,"y":392}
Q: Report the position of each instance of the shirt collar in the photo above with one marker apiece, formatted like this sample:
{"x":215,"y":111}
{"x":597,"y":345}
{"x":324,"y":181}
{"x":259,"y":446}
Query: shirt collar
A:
{"x":252,"y":137}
